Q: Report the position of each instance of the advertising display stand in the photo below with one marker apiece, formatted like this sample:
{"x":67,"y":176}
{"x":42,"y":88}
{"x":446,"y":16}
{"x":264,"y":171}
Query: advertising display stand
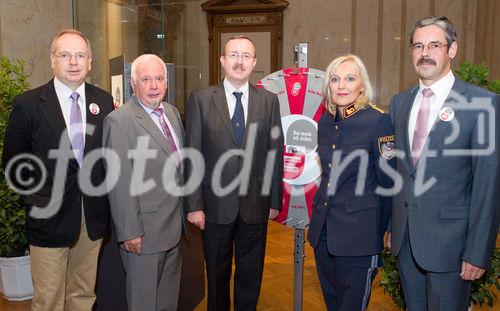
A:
{"x":299,"y":91}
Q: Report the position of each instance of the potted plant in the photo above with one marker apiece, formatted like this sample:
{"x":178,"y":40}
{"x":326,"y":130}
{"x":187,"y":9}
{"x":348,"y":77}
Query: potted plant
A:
{"x":482,"y":290}
{"x":15,"y":272}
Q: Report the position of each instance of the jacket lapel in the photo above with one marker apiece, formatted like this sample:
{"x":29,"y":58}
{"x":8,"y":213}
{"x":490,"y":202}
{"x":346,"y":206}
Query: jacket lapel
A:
{"x":148,"y":124}
{"x":440,"y":128}
{"x":220,"y":102}
{"x":174,"y":121}
{"x":407,"y":105}
{"x":50,"y":108}
{"x":253,"y":109}
{"x":92,"y":119}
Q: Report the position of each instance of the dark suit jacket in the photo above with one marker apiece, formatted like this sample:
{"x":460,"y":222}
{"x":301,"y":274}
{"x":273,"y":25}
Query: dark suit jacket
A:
{"x":156,"y":214}
{"x":209,"y":130}
{"x":36,"y":126}
{"x":457,"y":217}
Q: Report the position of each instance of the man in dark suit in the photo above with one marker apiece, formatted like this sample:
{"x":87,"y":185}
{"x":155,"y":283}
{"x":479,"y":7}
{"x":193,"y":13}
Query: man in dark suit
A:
{"x":65,"y":222}
{"x":237,"y":129}
{"x":146,"y":134}
{"x":445,"y":219}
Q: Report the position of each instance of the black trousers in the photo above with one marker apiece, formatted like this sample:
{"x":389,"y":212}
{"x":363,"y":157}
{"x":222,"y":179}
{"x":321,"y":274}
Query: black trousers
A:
{"x":249,"y":244}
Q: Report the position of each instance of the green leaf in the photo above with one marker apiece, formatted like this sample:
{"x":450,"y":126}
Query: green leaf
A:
{"x":13,"y":240}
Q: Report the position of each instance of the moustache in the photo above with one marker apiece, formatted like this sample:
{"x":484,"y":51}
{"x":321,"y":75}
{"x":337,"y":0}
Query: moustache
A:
{"x":239,"y":66}
{"x":426,"y":60}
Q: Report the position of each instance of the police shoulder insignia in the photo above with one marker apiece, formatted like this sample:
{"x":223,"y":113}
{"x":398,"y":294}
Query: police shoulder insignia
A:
{"x":386,"y":146}
{"x":349,"y":111}
{"x":377,"y":108}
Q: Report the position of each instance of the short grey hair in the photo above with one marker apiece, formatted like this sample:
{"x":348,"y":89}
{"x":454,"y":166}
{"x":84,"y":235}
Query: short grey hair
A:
{"x":439,"y":21}
{"x":70,"y":32}
{"x":143,"y":58}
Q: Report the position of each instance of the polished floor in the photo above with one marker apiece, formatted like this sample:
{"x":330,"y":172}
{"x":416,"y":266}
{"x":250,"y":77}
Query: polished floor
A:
{"x":277,"y":285}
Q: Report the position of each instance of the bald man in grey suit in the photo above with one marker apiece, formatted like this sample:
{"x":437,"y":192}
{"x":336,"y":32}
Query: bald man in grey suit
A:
{"x":147,"y":135}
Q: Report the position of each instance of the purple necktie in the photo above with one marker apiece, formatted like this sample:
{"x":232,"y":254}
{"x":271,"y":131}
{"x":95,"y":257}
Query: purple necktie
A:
{"x":420,"y":133}
{"x":165,"y":129}
{"x":76,"y":128}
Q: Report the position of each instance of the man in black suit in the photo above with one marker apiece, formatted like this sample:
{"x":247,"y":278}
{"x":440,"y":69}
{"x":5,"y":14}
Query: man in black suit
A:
{"x":50,"y":131}
{"x":237,"y":129}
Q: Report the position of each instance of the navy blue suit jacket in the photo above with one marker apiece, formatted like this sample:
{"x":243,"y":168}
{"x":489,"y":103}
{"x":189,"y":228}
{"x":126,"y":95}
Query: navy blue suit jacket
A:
{"x":355,"y":223}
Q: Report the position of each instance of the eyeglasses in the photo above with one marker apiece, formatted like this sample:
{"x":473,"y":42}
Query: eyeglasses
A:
{"x":66,"y":56}
{"x":236,"y":55}
{"x":432,"y":46}
{"x":148,"y":80}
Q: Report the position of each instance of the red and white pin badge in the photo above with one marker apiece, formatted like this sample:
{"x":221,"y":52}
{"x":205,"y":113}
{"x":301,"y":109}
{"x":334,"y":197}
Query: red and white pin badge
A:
{"x":94,"y":109}
{"x":446,"y":114}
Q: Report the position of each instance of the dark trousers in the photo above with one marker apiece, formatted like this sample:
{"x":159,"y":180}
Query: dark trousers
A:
{"x":249,"y":250}
{"x":426,"y":290}
{"x":345,"y":280}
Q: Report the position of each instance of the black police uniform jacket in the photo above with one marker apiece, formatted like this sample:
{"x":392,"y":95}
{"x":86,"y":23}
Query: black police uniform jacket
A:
{"x":352,"y":145}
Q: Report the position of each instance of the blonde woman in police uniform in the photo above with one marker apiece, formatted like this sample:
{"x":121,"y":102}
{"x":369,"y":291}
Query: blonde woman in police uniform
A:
{"x":349,"y":217}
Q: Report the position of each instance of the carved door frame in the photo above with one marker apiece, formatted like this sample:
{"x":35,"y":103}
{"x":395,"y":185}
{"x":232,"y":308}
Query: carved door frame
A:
{"x":225,"y":16}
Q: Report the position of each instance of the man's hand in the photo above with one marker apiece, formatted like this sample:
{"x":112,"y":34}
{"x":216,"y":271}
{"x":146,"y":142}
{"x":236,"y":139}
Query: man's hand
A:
{"x":471,"y":272}
{"x":197,"y":218}
{"x":273,"y":213}
{"x":134,"y":245}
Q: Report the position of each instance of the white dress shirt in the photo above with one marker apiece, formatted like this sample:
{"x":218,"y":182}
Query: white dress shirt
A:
{"x":64,"y":96}
{"x":441,"y":90}
{"x":231,"y":99}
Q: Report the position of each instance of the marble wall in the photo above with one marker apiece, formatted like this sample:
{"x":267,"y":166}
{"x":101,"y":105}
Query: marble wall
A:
{"x":376,"y":30}
{"x":27,"y":28}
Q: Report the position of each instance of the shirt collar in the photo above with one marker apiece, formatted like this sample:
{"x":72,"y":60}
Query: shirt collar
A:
{"x":66,"y":92}
{"x":229,"y":88}
{"x":442,"y":86}
{"x":147,"y":109}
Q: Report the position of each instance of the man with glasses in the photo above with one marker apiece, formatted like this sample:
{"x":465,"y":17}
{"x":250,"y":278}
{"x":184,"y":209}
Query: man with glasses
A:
{"x":65,"y":115}
{"x":445,"y":218}
{"x":147,"y":135}
{"x":237,"y":129}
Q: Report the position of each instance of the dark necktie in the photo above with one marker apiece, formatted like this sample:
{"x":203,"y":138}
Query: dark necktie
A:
{"x":420,"y":133}
{"x":76,"y":128}
{"x":238,"y":119}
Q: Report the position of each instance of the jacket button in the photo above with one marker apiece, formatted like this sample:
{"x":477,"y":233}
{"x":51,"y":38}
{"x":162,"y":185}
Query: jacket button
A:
{"x":329,"y":165}
{"x":336,"y":127}
{"x":328,"y":185}
{"x":334,"y":147}
{"x":325,"y":204}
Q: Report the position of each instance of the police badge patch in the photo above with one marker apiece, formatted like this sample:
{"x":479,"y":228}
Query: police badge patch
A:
{"x":386,"y":146}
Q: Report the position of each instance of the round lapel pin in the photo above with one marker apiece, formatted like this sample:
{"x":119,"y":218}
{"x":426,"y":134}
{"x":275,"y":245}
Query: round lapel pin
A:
{"x":94,"y":109}
{"x":446,"y":114}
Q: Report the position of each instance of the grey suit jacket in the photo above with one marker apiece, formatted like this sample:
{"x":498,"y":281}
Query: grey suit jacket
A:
{"x":456,"y":218}
{"x":209,"y":130}
{"x":151,"y":212}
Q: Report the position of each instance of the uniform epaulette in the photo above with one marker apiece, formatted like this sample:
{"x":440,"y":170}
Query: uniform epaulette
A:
{"x":377,"y":108}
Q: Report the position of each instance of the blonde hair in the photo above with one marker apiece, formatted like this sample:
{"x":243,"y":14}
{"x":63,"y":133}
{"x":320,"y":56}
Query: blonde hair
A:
{"x":363,"y":99}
